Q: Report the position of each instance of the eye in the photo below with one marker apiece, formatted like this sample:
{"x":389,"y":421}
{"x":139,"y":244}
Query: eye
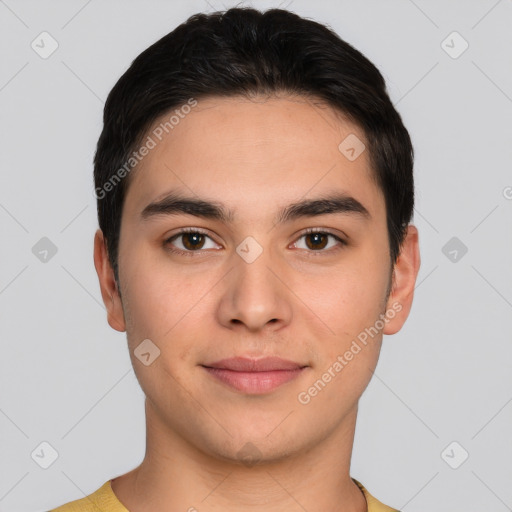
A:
{"x":190,"y":240}
{"x":317,"y":240}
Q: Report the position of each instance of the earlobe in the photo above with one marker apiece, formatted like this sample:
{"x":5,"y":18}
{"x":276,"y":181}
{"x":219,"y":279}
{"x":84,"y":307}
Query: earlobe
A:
{"x":108,"y":285}
{"x":404,"y":280}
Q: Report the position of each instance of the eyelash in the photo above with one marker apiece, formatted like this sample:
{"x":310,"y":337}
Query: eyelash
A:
{"x":201,"y":232}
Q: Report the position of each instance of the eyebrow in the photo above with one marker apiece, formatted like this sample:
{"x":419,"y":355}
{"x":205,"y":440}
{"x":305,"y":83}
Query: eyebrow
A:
{"x":176,"y":204}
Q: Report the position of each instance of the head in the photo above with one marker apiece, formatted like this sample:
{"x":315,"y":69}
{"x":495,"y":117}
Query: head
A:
{"x":267,"y":124}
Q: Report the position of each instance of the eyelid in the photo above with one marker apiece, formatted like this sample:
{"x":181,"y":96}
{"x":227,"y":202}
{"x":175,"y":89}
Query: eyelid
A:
{"x":327,"y":231}
{"x":189,"y":230}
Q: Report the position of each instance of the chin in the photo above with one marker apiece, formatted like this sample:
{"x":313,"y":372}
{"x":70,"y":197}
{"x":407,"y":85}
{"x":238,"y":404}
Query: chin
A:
{"x":252,"y":452}
{"x":269,"y":441}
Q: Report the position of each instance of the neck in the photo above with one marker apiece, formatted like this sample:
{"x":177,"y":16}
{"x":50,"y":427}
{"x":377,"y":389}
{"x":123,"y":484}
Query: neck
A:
{"x":176,"y":475}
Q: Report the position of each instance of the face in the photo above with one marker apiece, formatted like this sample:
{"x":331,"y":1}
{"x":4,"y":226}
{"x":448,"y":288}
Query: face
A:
{"x":247,"y":280}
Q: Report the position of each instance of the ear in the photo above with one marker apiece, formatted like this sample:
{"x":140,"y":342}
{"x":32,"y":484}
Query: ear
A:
{"x":404,"y":279}
{"x":108,"y":285}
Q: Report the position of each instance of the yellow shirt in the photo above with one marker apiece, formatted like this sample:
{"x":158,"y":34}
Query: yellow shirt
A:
{"x":105,"y":500}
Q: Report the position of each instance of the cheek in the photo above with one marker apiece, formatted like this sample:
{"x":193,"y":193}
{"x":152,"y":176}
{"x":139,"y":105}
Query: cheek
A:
{"x":157,"y":316}
{"x":348,"y":298}
{"x":169,"y":308}
{"x":152,"y":294}
{"x":350,"y":301}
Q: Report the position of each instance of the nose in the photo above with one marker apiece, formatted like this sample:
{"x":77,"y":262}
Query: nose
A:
{"x":255,"y":296}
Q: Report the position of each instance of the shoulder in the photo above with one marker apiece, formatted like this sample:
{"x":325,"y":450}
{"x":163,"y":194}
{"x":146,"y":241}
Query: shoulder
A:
{"x":101,"y":499}
{"x":374,"y":505}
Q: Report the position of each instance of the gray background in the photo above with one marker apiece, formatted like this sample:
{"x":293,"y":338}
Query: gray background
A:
{"x":66,"y":376}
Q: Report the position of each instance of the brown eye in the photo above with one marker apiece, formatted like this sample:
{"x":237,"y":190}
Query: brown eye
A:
{"x":192,"y":241}
{"x":316,"y":240}
{"x":189,"y":241}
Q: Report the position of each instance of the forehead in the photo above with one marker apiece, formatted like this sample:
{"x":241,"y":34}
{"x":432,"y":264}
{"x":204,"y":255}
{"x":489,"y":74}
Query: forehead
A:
{"x":252,"y":150}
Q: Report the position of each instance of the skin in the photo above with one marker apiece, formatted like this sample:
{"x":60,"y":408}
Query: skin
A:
{"x":297,"y":302}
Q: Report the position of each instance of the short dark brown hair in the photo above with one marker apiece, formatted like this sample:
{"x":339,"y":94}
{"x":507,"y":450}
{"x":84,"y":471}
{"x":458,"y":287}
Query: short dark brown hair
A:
{"x":243,"y":51}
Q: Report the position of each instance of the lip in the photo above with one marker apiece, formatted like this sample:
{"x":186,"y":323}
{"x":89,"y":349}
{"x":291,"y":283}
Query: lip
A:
{"x":254,"y":376}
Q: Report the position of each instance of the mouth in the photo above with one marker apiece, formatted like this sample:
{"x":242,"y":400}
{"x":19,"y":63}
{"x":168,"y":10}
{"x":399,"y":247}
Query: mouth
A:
{"x":254,"y":376}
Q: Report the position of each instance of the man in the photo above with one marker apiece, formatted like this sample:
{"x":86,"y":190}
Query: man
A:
{"x":255,"y":191}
